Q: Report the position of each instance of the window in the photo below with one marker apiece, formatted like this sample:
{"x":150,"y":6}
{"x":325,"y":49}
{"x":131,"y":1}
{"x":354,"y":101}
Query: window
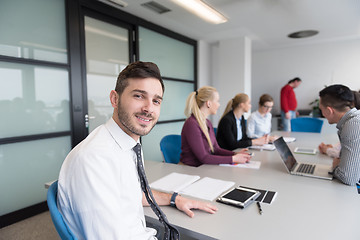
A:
{"x":36,"y":31}
{"x":35,"y":129}
{"x":176,"y":60}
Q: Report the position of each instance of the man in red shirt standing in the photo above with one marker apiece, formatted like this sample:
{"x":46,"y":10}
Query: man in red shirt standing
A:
{"x":288,"y":103}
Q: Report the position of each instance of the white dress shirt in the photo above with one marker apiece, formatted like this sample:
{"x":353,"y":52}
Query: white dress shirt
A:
{"x":99,"y":193}
{"x":238,"y":126}
{"x":257,"y":125}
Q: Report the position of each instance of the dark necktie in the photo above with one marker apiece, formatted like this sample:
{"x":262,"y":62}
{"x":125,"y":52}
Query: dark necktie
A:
{"x":171,"y":233}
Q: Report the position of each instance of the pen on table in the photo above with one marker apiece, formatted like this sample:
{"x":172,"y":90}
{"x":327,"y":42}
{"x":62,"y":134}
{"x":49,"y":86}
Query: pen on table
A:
{"x":259,"y":206}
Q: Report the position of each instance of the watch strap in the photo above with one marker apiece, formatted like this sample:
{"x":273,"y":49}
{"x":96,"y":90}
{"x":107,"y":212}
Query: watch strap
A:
{"x":172,"y":200}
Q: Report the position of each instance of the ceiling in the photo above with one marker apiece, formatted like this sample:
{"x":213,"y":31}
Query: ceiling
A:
{"x":266,"y":22}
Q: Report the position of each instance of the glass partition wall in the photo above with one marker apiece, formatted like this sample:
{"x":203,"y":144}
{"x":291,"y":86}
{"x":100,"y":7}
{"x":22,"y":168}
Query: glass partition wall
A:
{"x":59,"y":59}
{"x":35,"y":126}
{"x":176,"y":62}
{"x":107,"y":54}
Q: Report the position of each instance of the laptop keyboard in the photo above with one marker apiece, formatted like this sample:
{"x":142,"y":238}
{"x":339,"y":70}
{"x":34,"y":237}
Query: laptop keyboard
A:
{"x":306,"y":168}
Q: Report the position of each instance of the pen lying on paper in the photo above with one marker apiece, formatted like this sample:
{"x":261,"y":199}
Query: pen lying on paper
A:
{"x":259,"y":206}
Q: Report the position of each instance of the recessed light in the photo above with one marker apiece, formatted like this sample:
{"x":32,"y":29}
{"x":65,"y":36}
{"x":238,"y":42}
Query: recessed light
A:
{"x":303,"y":34}
{"x":156,"y":7}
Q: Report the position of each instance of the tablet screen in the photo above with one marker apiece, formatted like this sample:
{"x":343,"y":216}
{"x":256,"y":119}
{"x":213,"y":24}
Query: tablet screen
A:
{"x":239,"y":195}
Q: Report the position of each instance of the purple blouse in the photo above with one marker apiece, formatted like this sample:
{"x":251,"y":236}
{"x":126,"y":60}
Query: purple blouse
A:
{"x":195,"y":149}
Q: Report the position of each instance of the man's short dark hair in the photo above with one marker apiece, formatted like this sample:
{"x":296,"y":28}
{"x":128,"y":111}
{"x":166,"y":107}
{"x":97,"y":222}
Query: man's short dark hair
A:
{"x":138,"y":70}
{"x":295,"y":80}
{"x":337,"y":96}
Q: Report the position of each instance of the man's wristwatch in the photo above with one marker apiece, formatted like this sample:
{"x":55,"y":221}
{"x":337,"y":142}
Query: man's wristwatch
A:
{"x":172,"y":200}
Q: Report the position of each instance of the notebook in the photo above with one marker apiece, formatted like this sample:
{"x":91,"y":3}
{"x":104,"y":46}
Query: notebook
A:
{"x":191,"y":185}
{"x":301,"y":169}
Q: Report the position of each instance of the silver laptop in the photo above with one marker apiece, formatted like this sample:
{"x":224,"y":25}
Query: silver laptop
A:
{"x":301,"y":169}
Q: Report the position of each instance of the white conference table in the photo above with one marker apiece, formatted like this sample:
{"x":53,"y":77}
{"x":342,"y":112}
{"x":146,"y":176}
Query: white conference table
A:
{"x":305,"y":208}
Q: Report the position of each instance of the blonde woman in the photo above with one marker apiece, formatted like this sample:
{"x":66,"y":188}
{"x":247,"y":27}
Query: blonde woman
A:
{"x":198,"y":142}
{"x":231,"y":133}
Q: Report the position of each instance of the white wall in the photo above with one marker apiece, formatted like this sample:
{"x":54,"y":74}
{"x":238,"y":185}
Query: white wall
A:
{"x":230,"y":70}
{"x":203,"y":64}
{"x":317,"y":65}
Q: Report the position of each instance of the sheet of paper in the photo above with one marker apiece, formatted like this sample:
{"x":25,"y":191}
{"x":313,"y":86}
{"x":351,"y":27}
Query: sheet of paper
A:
{"x":268,"y":147}
{"x":207,"y":188}
{"x":251,"y":164}
{"x":289,"y":139}
{"x":174,"y":182}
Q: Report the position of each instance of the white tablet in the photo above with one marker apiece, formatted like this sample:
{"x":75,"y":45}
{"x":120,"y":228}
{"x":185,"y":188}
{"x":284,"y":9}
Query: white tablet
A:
{"x":311,"y":151}
{"x":239,"y":197}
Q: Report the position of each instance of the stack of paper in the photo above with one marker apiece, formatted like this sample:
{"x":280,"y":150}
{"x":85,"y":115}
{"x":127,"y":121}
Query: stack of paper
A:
{"x":251,"y":164}
{"x":289,"y":139}
{"x":268,"y":147}
{"x":190,"y":185}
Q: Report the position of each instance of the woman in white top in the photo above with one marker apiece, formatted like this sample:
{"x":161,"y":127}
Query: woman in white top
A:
{"x":259,"y":122}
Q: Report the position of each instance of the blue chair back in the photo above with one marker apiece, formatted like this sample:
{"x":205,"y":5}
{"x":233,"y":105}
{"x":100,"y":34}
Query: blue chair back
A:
{"x":306,"y":124}
{"x":170,"y":146}
{"x":60,"y":225}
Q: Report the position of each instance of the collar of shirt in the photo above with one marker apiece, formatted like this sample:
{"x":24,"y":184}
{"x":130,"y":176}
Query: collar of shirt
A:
{"x":122,"y":139}
{"x":344,"y":118}
{"x":260,"y":116}
{"x":238,"y":126}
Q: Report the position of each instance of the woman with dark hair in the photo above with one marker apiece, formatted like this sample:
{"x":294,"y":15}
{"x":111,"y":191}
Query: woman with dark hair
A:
{"x":231,"y":133}
{"x":259,"y":122}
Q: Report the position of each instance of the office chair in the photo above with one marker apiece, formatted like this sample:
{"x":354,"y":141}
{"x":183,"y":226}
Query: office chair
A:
{"x":306,"y":124}
{"x":60,"y":225}
{"x":170,"y":146}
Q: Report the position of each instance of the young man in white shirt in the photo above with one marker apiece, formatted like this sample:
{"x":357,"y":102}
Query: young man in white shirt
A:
{"x":99,"y":193}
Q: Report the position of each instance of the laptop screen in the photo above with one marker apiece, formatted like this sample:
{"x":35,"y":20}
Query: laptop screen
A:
{"x":285,"y":153}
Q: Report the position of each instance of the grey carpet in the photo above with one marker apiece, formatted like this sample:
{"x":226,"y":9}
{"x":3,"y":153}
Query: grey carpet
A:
{"x":39,"y":227}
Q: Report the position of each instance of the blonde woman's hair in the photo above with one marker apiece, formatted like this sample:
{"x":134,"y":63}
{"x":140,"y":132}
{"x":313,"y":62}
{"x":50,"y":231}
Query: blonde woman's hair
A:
{"x":194,"y":102}
{"x":233,"y":103}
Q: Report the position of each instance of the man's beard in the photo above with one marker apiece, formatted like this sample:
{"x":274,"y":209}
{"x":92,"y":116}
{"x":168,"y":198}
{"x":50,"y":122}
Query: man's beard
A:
{"x":125,"y":120}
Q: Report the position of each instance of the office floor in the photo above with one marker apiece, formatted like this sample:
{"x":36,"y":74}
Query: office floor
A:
{"x":39,"y":227}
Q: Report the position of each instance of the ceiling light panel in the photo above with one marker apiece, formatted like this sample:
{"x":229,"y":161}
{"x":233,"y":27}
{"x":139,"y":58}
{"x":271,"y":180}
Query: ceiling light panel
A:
{"x":203,"y":10}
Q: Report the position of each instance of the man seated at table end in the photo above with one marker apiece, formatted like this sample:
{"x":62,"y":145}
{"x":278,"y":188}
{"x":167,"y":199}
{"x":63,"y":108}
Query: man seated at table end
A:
{"x":336,"y":104}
